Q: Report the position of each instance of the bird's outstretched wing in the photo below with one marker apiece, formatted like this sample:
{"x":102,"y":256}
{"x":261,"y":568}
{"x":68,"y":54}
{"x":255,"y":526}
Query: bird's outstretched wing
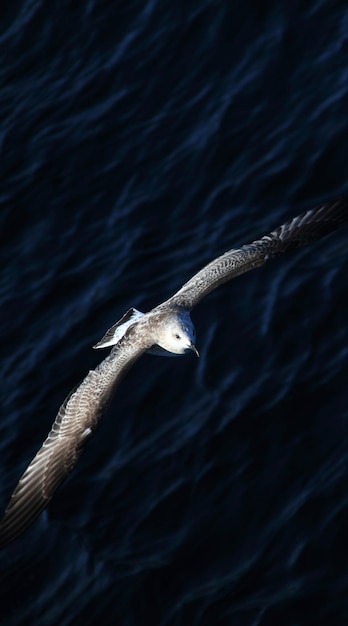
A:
{"x":76,"y":420}
{"x":299,"y":231}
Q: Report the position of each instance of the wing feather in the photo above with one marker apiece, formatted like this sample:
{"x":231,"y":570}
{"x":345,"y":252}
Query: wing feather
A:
{"x":76,"y":420}
{"x":299,"y":231}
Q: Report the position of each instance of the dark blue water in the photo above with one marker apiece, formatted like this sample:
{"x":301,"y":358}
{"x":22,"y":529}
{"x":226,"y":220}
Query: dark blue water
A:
{"x":139,"y":140}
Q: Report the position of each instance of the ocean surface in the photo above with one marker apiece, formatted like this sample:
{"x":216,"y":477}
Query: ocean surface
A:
{"x":139,"y":140}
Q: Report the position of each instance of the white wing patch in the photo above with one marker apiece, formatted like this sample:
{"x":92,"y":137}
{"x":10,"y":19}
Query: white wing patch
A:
{"x":86,"y":433}
{"x":114,"y":334}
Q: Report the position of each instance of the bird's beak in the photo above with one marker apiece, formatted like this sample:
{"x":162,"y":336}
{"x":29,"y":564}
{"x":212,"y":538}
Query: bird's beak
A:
{"x":194,"y":349}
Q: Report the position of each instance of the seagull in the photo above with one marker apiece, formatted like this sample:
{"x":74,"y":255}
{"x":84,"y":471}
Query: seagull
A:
{"x":167,"y":330}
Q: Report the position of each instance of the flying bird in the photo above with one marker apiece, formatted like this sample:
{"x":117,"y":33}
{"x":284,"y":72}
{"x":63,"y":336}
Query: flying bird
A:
{"x":167,"y":330}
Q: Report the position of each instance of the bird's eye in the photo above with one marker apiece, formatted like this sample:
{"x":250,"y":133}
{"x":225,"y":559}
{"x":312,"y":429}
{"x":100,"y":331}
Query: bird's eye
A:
{"x":177,"y":336}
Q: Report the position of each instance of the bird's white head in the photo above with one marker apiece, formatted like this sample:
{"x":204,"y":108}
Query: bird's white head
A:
{"x":178,"y":335}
